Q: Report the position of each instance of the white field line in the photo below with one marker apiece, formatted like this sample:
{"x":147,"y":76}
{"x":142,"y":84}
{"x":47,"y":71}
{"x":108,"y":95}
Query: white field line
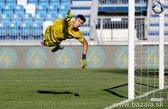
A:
{"x":126,"y":101}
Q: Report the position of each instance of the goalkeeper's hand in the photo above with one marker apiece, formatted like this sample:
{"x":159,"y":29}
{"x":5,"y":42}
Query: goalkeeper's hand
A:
{"x":69,"y":15}
{"x":83,"y":61}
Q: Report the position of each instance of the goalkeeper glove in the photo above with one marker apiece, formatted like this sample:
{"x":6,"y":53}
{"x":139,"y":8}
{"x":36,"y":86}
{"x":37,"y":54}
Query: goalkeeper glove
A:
{"x":69,"y":15}
{"x":83,"y":61}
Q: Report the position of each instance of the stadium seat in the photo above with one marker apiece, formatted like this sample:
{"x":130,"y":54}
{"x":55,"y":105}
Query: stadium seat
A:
{"x":64,"y":7}
{"x":35,"y":2}
{"x":30,"y":8}
{"x":42,"y":8}
{"x":17,"y":18}
{"x":43,"y":2}
{"x":8,"y":8}
{"x":22,"y":2}
{"x":46,"y":24}
{"x":61,"y":15}
{"x":28,"y":17}
{"x":6,"y":17}
{"x":55,"y":1}
{"x":19,"y":9}
{"x":13,"y":30}
{"x":39,"y":17}
{"x":53,"y":8}
{"x":1,"y":4}
{"x":50,"y":17}
{"x":25,"y":29}
{"x":3,"y":30}
{"x":66,"y":1}
{"x":36,"y":30}
{"x":11,"y":2}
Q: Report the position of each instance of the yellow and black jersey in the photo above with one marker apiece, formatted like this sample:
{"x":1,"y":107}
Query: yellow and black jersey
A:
{"x":61,"y":30}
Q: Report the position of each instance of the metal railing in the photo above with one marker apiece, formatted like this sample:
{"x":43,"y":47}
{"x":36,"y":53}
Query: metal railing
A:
{"x":121,"y":1}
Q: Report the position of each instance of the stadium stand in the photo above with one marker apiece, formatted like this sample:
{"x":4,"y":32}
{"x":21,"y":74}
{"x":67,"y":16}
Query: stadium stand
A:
{"x":43,"y":2}
{"x":35,"y":2}
{"x":50,"y":17}
{"x":13,"y":30}
{"x":25,"y":30}
{"x":39,"y":17}
{"x":30,"y":8}
{"x":55,"y":1}
{"x":8,"y":8}
{"x":5,"y":17}
{"x":3,"y":30}
{"x":28,"y":17}
{"x":109,"y":16}
{"x":42,"y":8}
{"x":53,"y":8}
{"x":36,"y":30}
{"x":22,"y":2}
{"x":19,"y":9}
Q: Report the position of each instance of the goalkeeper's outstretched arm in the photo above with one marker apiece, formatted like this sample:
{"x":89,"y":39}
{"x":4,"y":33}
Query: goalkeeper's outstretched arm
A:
{"x":85,"y":47}
{"x":68,"y":16}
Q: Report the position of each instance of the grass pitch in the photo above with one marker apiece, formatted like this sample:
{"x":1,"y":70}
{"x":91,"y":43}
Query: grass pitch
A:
{"x":62,"y":88}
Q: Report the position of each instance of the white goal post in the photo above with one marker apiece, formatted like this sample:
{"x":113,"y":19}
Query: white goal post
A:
{"x":131,"y":52}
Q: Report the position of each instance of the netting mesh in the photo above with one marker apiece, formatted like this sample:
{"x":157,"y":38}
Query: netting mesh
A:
{"x":147,"y":55}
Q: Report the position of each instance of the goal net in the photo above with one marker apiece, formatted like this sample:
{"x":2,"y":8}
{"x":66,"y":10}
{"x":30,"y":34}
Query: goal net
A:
{"x":148,"y":79}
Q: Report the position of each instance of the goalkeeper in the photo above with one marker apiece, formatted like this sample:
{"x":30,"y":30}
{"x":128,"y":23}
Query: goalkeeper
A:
{"x":66,"y":29}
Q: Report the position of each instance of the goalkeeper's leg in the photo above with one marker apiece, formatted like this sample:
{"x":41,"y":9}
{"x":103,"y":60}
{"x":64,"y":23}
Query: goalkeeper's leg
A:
{"x":58,"y":47}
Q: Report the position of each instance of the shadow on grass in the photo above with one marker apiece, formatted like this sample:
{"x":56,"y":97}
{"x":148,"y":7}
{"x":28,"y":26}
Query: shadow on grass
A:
{"x":118,"y":71}
{"x":114,"y":93}
{"x":56,"y":93}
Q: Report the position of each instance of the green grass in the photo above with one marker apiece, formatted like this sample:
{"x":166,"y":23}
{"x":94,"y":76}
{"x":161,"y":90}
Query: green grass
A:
{"x":56,"y":88}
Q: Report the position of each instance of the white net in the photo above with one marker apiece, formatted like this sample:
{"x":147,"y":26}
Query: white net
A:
{"x":147,"y":54}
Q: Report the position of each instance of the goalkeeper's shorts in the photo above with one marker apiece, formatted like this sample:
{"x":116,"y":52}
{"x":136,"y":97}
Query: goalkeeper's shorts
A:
{"x":49,"y":39}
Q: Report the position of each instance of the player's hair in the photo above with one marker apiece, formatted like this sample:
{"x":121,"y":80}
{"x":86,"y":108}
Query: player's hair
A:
{"x":81,"y":17}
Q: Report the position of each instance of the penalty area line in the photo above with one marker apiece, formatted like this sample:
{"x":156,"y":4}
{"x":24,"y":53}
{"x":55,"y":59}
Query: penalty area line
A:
{"x":126,"y":101}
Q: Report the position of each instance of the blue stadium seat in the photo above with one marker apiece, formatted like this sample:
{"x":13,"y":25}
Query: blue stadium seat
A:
{"x":43,"y":2}
{"x":25,"y":29}
{"x":11,"y":2}
{"x":50,"y":17}
{"x":8,"y":8}
{"x":5,"y":17}
{"x":13,"y":30}
{"x":42,"y":8}
{"x":35,"y":2}
{"x":19,"y":9}
{"x":61,"y":15}
{"x":1,"y":5}
{"x":39,"y":17}
{"x":66,"y":1}
{"x":28,"y":18}
{"x":36,"y":30}
{"x":55,"y":1}
{"x":64,"y":7}
{"x":53,"y":8}
{"x":17,"y":18}
{"x":3,"y":30}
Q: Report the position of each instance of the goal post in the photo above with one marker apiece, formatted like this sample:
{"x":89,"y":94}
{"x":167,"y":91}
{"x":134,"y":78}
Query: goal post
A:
{"x":131,"y":26}
{"x":161,"y":49}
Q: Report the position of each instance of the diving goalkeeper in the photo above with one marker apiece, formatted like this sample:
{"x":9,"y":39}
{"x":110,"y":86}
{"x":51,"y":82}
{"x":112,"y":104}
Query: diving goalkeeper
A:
{"x":66,"y":29}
